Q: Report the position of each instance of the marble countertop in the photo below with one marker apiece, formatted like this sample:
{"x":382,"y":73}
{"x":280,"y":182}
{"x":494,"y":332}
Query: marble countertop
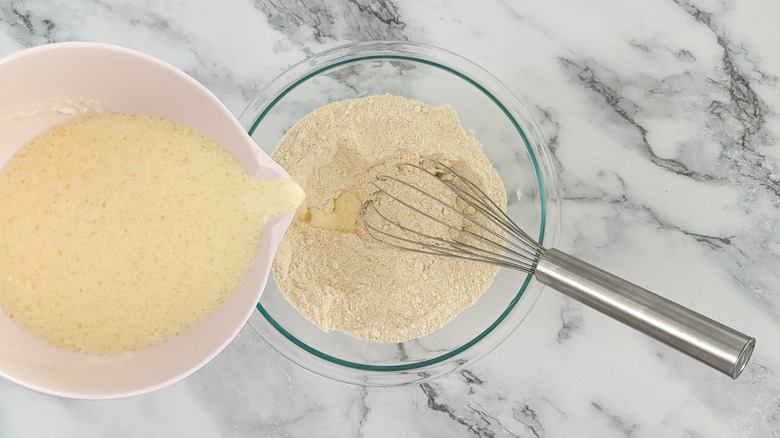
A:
{"x":663,"y":121}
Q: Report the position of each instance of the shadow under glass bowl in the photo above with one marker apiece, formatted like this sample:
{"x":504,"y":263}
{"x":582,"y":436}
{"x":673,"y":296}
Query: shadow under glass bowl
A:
{"x":510,"y":139}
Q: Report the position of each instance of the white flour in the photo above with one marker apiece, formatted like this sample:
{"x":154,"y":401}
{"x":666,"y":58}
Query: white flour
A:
{"x":346,"y":281}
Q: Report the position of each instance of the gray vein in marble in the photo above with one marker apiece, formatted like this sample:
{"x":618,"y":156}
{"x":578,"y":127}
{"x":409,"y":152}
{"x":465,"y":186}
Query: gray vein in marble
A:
{"x":529,"y":418}
{"x":684,"y":53}
{"x":139,"y":16}
{"x":435,"y":405}
{"x":715,"y":243}
{"x":774,"y":418}
{"x":30,"y":28}
{"x":385,"y":12}
{"x":329,"y":20}
{"x":744,"y":108}
{"x":490,"y":420}
{"x":471,"y":379}
{"x":734,"y":250}
{"x":26,"y":27}
{"x":549,"y":122}
{"x":651,"y":45}
{"x":477,"y":414}
{"x":403,"y":356}
{"x":571,"y":322}
{"x":624,"y":108}
{"x":551,"y":128}
{"x":742,"y":112}
{"x":364,"y":411}
{"x":626,"y":428}
{"x":602,"y":196}
{"x":639,"y":45}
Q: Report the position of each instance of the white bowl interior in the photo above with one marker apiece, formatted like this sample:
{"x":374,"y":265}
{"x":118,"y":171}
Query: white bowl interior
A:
{"x":51,"y":84}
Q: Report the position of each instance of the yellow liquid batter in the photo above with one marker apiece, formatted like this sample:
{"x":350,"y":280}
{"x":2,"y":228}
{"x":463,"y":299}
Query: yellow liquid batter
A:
{"x":120,"y":231}
{"x":344,"y":217}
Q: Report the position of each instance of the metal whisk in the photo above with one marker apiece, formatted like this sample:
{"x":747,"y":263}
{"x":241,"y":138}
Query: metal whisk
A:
{"x":460,"y":220}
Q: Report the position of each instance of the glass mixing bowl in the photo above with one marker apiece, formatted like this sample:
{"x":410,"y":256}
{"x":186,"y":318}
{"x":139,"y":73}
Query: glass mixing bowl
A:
{"x":510,"y":138}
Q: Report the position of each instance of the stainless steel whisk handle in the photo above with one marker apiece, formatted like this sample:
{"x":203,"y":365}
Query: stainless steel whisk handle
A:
{"x":701,"y":338}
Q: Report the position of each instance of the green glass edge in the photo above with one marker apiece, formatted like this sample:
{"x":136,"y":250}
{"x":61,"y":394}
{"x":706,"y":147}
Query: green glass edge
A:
{"x":512,"y":304}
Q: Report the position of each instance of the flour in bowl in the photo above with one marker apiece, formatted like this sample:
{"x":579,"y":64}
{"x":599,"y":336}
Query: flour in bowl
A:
{"x":327,"y":266}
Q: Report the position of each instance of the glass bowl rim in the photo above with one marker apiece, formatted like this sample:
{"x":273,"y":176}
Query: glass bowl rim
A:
{"x":436,"y":57}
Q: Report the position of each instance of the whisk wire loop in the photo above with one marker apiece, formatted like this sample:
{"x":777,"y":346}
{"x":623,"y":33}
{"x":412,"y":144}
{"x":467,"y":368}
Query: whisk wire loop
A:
{"x":449,"y":249}
{"x":497,"y":240}
{"x":482,"y":198}
{"x":480,"y":201}
{"x":436,"y":220}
